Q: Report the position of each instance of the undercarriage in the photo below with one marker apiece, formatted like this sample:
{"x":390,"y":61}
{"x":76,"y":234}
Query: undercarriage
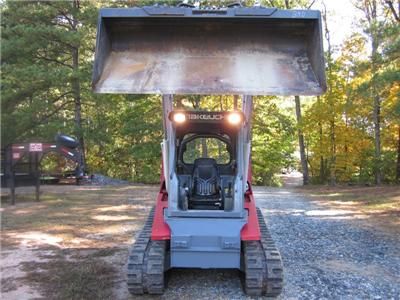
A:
{"x":261,"y":263}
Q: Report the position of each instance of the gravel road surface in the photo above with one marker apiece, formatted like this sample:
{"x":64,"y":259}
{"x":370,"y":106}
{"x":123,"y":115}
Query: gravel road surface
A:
{"x":328,"y":252}
{"x":326,"y":256}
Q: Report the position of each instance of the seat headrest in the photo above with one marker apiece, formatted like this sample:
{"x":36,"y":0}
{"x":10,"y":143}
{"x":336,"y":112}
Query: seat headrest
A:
{"x":204,"y":161}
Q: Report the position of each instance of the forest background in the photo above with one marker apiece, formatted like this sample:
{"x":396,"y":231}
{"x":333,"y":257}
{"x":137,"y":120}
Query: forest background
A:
{"x":351,"y":134}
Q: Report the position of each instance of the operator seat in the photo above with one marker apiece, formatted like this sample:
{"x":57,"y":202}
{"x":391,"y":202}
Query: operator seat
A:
{"x":205,"y":177}
{"x":205,"y":185}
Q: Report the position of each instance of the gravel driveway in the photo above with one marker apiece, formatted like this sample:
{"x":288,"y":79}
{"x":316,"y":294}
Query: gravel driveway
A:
{"x":326,"y":256}
{"x":327,"y":252}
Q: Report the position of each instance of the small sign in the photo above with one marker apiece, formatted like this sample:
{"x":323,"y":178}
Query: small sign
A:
{"x":35,"y":147}
{"x":16,"y":155}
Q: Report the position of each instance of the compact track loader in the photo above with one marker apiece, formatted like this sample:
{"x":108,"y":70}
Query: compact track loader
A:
{"x":205,"y":214}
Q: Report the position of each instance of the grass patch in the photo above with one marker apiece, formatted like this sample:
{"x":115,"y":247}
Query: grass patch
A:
{"x":81,"y":279}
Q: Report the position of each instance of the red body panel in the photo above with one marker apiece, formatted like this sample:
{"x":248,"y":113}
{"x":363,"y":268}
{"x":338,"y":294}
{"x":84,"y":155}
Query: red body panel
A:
{"x":250,"y":231}
{"x":161,"y":231}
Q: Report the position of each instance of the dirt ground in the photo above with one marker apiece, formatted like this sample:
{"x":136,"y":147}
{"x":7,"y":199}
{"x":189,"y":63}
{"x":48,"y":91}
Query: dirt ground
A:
{"x":73,"y":244}
{"x":379,"y":206}
{"x":75,"y":234}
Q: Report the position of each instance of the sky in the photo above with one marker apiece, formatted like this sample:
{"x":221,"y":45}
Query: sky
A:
{"x":342,"y":18}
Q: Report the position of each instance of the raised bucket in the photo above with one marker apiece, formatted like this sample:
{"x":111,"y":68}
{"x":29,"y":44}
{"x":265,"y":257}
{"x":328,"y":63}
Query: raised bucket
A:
{"x":179,"y":50}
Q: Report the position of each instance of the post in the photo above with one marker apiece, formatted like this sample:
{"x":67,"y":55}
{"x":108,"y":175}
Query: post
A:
{"x":37,"y":174}
{"x":12,"y":187}
{"x":9,"y":173}
{"x":167,"y":144}
{"x":247,"y":108}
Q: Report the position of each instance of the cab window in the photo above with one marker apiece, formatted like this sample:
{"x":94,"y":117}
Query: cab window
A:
{"x":206,"y":147}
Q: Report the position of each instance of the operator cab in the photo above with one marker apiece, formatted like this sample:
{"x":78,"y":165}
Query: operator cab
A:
{"x":206,"y":158}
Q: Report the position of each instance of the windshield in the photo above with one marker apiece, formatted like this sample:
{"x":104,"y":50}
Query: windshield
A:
{"x":206,"y":147}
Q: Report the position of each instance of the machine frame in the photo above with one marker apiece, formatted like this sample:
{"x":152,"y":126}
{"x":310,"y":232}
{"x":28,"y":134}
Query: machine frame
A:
{"x":194,"y":244}
{"x":207,"y":51}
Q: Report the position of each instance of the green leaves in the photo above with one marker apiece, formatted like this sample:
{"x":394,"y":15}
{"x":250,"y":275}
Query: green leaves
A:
{"x":123,"y":133}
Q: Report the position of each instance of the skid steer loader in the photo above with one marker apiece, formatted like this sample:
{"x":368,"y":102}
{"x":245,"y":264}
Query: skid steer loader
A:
{"x":205,"y":214}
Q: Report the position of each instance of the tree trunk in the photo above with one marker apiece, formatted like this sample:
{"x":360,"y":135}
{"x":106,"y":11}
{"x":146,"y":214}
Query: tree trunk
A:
{"x":332,"y":174}
{"x":304,"y":165}
{"x":235,"y":102}
{"x":204,"y":148}
{"x":370,"y":9}
{"x":398,"y":158}
{"x":321,"y":158}
{"x":76,"y":89}
{"x":377,"y":133}
{"x":376,"y":113}
{"x":331,"y":102}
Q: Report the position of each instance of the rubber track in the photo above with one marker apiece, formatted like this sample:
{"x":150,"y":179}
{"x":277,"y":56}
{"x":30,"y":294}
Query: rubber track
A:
{"x":273,"y":282}
{"x":263,"y":264}
{"x":254,"y":264}
{"x":146,"y":262}
{"x":154,"y":267}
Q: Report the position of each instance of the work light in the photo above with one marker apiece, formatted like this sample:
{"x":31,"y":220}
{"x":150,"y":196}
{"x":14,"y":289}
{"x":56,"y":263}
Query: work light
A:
{"x":234,"y":118}
{"x":179,"y":117}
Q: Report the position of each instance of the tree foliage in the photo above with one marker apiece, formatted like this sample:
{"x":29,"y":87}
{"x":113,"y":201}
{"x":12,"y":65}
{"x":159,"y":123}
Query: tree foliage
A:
{"x":47,"y":56}
{"x":361,"y":102}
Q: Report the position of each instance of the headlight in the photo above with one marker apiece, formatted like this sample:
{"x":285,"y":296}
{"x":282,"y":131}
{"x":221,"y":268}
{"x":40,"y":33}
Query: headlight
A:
{"x":179,"y":117}
{"x":234,"y":118}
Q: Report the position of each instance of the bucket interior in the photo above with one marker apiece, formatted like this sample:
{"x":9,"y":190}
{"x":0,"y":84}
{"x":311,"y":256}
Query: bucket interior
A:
{"x":173,"y":55}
